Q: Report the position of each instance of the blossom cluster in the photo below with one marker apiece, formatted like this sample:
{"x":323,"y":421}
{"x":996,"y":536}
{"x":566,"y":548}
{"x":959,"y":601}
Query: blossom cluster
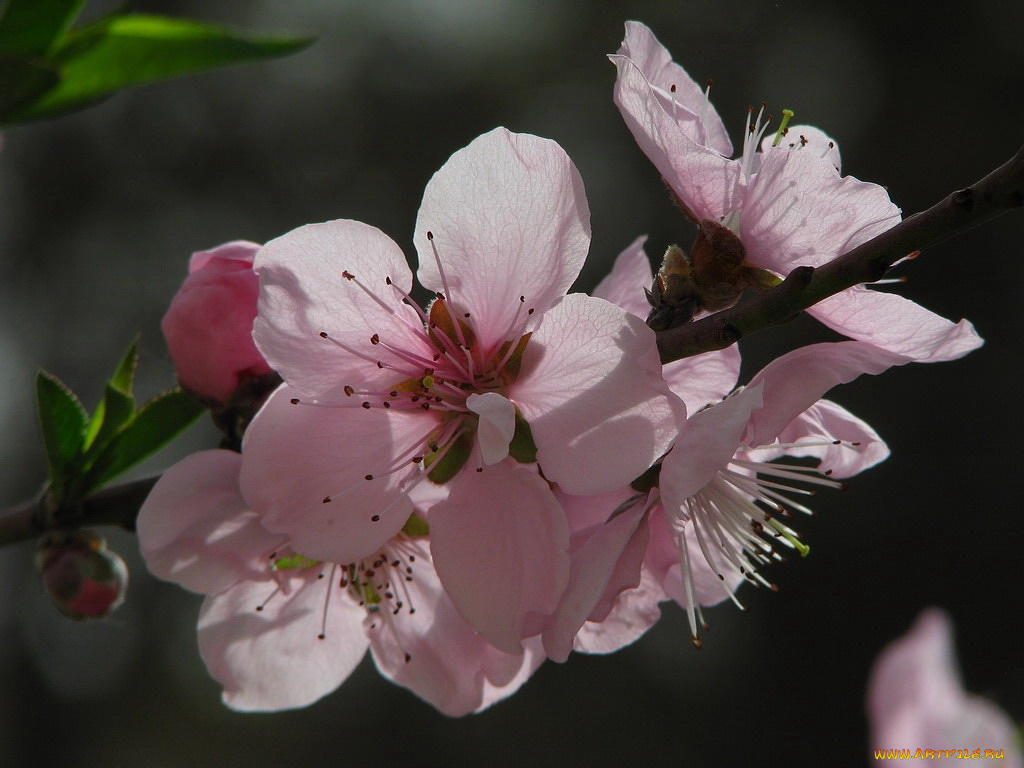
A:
{"x":509,"y":473}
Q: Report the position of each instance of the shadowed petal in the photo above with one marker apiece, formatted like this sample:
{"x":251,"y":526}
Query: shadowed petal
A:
{"x":499,"y":543}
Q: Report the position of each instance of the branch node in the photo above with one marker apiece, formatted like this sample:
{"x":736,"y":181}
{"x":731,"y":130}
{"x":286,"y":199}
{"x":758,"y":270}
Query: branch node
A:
{"x":964,"y":198}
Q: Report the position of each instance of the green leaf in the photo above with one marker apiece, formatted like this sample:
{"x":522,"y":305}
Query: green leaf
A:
{"x":122,"y":51}
{"x":22,"y":82}
{"x":156,"y":423}
{"x":117,"y":406}
{"x":29,"y":28}
{"x":63,"y":421}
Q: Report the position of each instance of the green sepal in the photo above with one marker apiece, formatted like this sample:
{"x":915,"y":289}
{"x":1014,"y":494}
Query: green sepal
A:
{"x":122,"y":51}
{"x":522,"y":448}
{"x":63,"y":420}
{"x":415,"y":526}
{"x":30,"y":28}
{"x":118,"y":405}
{"x":155,"y":424}
{"x":443,"y":470}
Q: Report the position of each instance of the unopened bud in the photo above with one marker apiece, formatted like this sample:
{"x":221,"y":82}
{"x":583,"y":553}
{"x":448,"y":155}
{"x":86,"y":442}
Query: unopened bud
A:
{"x":83,"y":578}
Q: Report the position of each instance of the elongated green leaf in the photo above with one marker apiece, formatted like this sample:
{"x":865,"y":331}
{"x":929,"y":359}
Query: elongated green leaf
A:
{"x":158,"y":422}
{"x":117,"y":405}
{"x":63,"y":421}
{"x":23,"y":82}
{"x":29,"y":28}
{"x":123,"y":51}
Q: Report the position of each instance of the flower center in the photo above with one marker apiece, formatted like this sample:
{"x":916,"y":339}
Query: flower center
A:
{"x":736,"y":520}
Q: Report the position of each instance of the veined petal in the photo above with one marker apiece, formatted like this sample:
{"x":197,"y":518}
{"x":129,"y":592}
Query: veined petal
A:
{"x":799,"y":211}
{"x":798,"y":379}
{"x":861,"y":448}
{"x":595,"y":571}
{"x":631,"y":274}
{"x":710,"y":185}
{"x":326,"y":476}
{"x":273,"y":659}
{"x":896,"y":324}
{"x":196,"y":529}
{"x":635,"y":611}
{"x":499,"y":543}
{"x":697,"y":117}
{"x":509,"y":218}
{"x":807,"y":138}
{"x":706,"y":445}
{"x":434,"y":652}
{"x":305,"y":291}
{"x":496,"y":426}
{"x":592,"y":392}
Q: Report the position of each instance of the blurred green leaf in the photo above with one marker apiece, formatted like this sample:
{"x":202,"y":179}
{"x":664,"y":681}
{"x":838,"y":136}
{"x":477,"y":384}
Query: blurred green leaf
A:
{"x":155,"y":424}
{"x":118,"y":52}
{"x":22,"y":82}
{"x":63,"y":421}
{"x":117,"y":406}
{"x":29,"y":28}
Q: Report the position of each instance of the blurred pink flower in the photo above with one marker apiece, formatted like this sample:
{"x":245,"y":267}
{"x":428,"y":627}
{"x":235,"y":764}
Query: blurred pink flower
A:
{"x":501,"y":386}
{"x":280,"y":630}
{"x":208,"y":325}
{"x":915,"y":699}
{"x":788,"y":204}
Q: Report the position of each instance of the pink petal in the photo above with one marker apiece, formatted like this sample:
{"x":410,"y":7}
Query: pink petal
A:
{"x":509,"y":218}
{"x":797,"y":380}
{"x":196,"y":529}
{"x":631,"y":275}
{"x":592,"y":392}
{"x":496,"y":425}
{"x":295,"y":456}
{"x":706,"y":444}
{"x":799,"y":211}
{"x":830,"y":421}
{"x":434,"y":652}
{"x":807,"y":138}
{"x":694,"y":113}
{"x":915,"y":698}
{"x":634,"y":612}
{"x":303,"y":292}
{"x":710,"y":185}
{"x":896,"y":324}
{"x":273,"y":659}
{"x":499,"y":544}
{"x":605,"y":560}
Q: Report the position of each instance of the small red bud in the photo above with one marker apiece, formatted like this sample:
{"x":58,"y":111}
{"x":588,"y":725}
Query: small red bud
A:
{"x":83,"y":578}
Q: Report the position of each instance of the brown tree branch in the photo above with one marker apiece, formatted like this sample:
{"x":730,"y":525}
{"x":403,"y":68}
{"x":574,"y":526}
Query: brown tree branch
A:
{"x":1000,"y":191}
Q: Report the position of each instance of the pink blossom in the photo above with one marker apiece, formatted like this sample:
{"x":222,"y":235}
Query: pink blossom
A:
{"x":718,"y":504}
{"x":280,"y":630}
{"x":208,"y":326}
{"x":916,"y":701}
{"x":501,"y":376}
{"x":788,"y":204}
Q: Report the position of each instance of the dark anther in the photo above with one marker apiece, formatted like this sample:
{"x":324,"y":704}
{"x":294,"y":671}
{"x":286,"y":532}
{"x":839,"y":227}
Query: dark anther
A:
{"x":323,"y":334}
{"x":294,"y":401}
{"x":366,"y":405}
{"x":375,"y":339}
{"x":368,"y":477}
{"x":348,"y":275}
{"x":430,"y":235}
{"x":375,"y":518}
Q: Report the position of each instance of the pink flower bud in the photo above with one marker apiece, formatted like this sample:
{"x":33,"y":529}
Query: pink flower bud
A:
{"x":208,"y":326}
{"x":82,"y":577}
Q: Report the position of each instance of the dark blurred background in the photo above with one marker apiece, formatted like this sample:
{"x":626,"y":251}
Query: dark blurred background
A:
{"x":100,"y":211}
